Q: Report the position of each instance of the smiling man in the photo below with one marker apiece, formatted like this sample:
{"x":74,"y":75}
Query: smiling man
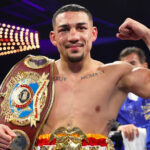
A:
{"x":88,"y":93}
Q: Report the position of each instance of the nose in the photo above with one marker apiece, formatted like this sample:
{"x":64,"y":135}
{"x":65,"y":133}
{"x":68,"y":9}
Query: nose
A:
{"x":73,"y":35}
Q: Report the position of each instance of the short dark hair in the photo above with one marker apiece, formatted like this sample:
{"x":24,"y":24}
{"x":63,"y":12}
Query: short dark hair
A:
{"x":71,"y":7}
{"x":129,"y":50}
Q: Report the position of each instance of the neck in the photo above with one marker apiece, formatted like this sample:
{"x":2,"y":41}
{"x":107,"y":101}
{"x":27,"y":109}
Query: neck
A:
{"x":73,"y":67}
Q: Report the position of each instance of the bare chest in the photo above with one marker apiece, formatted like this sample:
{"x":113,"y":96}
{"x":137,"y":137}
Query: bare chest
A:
{"x":85,"y":90}
{"x":80,"y":99}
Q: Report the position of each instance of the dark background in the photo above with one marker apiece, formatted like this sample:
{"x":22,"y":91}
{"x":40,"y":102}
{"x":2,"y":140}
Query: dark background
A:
{"x":107,"y":14}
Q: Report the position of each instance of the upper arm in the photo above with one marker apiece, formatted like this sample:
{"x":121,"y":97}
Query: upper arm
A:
{"x":137,"y":81}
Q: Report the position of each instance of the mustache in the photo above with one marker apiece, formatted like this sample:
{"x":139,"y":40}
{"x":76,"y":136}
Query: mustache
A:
{"x":74,"y":45}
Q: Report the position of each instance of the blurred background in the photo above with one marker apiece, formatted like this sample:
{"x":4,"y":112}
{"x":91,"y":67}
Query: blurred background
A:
{"x":25,"y":27}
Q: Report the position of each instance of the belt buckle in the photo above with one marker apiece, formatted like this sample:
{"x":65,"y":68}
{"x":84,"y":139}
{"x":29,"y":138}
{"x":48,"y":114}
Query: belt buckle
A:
{"x":21,"y":141}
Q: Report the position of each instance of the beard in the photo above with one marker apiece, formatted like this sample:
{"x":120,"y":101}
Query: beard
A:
{"x":75,"y":59}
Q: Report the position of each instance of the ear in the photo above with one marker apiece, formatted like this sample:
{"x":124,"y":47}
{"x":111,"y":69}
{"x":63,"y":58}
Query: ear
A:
{"x":94,"y":34}
{"x":52,"y":38}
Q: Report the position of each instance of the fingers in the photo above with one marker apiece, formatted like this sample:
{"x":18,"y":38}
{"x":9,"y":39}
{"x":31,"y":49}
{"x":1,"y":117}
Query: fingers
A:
{"x":129,"y":131}
{"x":6,"y":133}
{"x":126,"y":27}
{"x":129,"y":134}
{"x":10,"y":132}
{"x":124,"y":32}
{"x":122,"y":37}
{"x":6,"y":136}
{"x":4,"y":146}
{"x":3,"y":141}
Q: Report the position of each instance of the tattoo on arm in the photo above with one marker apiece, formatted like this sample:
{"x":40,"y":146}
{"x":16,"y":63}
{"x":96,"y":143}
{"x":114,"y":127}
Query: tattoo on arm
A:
{"x":92,"y":75}
{"x":59,"y":78}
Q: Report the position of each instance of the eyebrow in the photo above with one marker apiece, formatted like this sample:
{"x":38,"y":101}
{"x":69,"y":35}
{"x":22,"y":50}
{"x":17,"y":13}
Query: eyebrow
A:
{"x":66,"y":25}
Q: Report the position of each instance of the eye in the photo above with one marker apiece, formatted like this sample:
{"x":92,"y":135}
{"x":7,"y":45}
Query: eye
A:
{"x":63,"y":30}
{"x":82,"y":28}
{"x":133,"y":63}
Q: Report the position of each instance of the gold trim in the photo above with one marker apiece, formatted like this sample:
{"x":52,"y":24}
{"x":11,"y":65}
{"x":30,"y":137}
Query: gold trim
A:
{"x":71,"y":139}
{"x":110,"y":145}
{"x":68,"y":140}
{"x":52,"y":101}
{"x":33,"y":65}
{"x":88,"y":135}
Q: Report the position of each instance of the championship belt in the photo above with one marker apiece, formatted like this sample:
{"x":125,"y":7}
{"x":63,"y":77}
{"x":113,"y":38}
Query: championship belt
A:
{"x":73,"y":139}
{"x":26,"y":97}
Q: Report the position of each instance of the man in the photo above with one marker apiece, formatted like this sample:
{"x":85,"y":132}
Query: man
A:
{"x":91,"y":93}
{"x":135,"y":110}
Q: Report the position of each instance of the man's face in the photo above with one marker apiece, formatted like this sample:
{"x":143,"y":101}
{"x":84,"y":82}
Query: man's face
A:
{"x":133,"y":59}
{"x":73,"y":35}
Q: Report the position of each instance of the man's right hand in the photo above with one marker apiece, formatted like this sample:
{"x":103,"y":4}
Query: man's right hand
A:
{"x":129,"y":131}
{"x":6,"y":136}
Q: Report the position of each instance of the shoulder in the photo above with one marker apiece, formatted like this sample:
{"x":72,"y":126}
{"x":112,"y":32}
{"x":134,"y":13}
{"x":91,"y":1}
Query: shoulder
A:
{"x":118,"y":66}
{"x":110,"y":65}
